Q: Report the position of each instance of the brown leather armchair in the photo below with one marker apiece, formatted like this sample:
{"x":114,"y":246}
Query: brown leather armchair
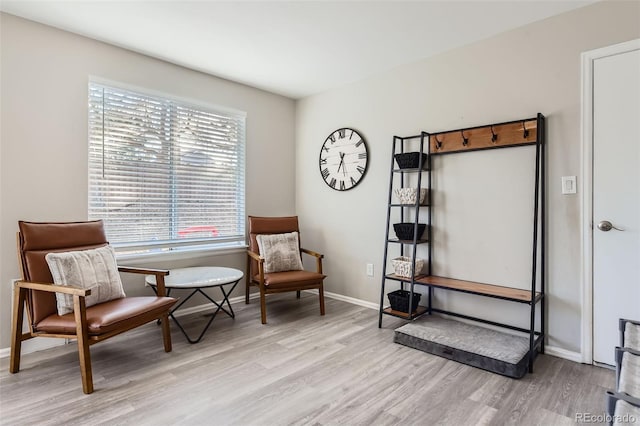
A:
{"x":278,"y":282}
{"x":88,"y":325}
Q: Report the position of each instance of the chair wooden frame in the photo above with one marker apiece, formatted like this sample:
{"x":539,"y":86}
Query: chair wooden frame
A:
{"x":21,"y":306}
{"x":258,"y":280}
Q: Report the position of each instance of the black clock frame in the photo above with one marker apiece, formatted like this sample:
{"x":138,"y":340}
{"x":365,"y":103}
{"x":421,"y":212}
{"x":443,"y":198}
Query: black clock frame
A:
{"x":331,"y":137}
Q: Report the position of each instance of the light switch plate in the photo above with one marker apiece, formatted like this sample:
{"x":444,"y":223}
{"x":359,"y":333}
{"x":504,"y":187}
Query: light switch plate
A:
{"x":569,"y":185}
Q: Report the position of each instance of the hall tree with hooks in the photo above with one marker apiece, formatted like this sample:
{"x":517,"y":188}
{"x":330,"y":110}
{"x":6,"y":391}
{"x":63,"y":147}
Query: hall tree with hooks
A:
{"x":512,"y":135}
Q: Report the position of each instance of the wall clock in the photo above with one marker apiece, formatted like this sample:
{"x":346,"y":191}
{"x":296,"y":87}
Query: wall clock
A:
{"x":343,"y":159}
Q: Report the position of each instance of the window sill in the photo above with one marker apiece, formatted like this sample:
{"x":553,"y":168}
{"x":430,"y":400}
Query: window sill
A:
{"x":182,"y":253}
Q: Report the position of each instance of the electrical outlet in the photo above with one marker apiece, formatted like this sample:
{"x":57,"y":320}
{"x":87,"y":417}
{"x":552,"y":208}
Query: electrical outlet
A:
{"x":370,"y":269}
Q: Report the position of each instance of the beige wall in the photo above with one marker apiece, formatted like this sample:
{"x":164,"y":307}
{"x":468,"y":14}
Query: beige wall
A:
{"x":483,"y":201}
{"x":43,"y":152}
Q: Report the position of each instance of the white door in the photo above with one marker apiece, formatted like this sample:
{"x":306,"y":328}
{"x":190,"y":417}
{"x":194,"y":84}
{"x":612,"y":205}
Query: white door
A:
{"x":616,"y":198}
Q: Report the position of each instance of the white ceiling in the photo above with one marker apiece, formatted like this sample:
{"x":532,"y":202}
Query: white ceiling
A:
{"x":293,"y":48}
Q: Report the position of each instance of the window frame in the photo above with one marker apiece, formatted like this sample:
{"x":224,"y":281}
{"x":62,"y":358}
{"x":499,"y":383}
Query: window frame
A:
{"x":177,"y":248}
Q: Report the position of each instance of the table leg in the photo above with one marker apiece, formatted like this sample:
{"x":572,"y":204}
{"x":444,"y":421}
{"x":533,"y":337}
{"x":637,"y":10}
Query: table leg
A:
{"x":219,"y":306}
{"x":225,"y":299}
{"x":189,"y":339}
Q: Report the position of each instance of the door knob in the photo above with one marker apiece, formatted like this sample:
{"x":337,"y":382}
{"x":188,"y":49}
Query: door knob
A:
{"x":606,"y":226}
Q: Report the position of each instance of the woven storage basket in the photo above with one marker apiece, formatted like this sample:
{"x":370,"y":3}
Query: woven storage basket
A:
{"x":399,"y":300}
{"x":404,"y":231}
{"x":410,"y":160}
{"x":408,"y":195}
{"x":402,"y":266}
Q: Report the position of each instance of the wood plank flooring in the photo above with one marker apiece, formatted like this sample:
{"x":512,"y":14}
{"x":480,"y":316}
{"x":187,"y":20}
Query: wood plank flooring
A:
{"x":299,"y":369}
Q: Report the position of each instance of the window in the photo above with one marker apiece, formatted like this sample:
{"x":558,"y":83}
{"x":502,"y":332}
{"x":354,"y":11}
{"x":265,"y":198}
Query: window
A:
{"x":163,"y":173}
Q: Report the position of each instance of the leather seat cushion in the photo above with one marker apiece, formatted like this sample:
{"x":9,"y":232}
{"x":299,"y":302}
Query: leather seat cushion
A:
{"x":291,"y":279}
{"x":109,"y":316}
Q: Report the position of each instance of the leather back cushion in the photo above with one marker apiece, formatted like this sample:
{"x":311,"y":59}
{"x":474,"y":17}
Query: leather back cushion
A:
{"x":268,"y":225}
{"x":37,"y":239}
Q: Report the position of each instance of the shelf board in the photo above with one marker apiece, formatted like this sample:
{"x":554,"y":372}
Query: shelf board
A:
{"x":404,"y":315}
{"x":403,"y":279}
{"x":408,"y":205}
{"x":490,"y":290}
{"x":395,"y":240}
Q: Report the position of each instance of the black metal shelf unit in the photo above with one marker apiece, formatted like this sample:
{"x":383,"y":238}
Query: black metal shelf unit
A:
{"x":399,"y":176}
{"x":526,"y":132}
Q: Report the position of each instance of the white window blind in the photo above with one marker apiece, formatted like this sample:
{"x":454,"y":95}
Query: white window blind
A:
{"x":163,"y":173}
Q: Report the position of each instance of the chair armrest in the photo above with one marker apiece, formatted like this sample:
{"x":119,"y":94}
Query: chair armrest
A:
{"x":612,"y":397}
{"x":624,"y":396}
{"x":51,"y":288}
{"x":312,"y":253}
{"x":159,"y":273}
{"x":260,"y":260}
{"x":622,"y":321}
{"x":146,"y":271}
{"x":318,"y":257}
{"x":255,"y":256}
{"x":625,"y":349}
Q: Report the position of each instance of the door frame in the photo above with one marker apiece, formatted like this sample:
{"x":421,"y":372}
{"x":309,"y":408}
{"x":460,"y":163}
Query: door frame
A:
{"x":586,"y":209}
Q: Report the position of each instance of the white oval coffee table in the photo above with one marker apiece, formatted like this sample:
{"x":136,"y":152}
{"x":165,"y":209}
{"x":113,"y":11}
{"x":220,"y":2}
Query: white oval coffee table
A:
{"x":196,"y":279}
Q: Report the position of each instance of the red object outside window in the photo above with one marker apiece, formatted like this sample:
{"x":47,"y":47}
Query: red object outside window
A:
{"x":186,"y":232}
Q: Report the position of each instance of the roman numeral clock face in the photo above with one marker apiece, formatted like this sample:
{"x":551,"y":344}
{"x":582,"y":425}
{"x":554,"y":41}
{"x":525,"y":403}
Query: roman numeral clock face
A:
{"x":343,"y":159}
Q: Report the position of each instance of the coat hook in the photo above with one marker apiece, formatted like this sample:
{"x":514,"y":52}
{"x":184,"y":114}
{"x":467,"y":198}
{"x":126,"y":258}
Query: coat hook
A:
{"x":494,"y":136}
{"x":465,"y":141}
{"x":525,"y":131}
{"x":438,"y":142}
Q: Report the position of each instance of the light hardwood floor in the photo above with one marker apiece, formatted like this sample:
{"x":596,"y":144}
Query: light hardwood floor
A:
{"x":299,"y":369}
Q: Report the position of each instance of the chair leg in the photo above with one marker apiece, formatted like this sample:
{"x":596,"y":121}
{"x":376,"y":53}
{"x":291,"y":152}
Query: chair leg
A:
{"x":321,"y":297}
{"x":166,"y":332}
{"x":298,"y":294}
{"x":19,"y":295}
{"x":263,"y":307}
{"x":82,"y":335}
{"x":247,"y":280}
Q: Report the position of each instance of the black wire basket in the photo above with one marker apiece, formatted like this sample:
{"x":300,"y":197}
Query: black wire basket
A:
{"x":411,"y":160}
{"x":404,"y":231}
{"x":399,"y":300}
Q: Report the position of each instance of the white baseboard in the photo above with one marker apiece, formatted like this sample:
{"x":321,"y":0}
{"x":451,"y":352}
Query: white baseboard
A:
{"x":348,"y":299}
{"x":34,"y":345}
{"x":563,"y":353}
